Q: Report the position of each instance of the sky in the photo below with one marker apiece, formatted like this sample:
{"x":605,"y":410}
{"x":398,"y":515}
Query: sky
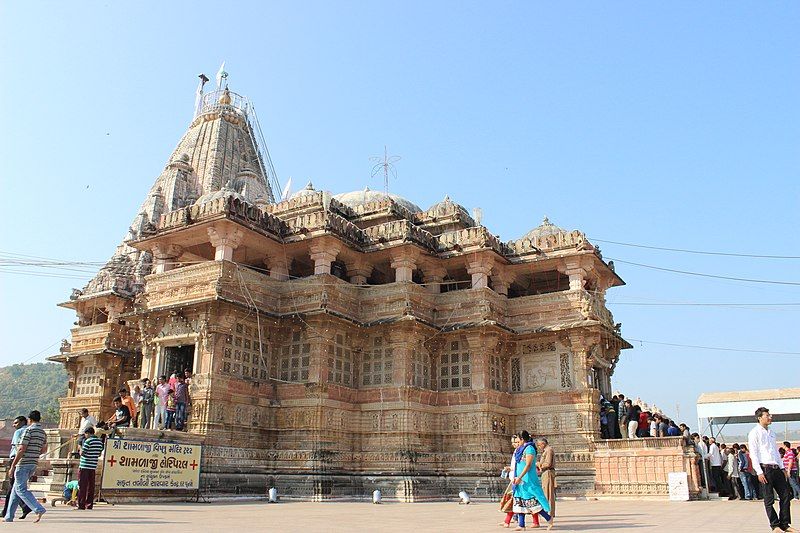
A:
{"x":671,"y":125}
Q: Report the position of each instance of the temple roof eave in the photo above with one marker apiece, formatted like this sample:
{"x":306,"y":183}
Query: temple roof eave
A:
{"x":69,"y":356}
{"x":104,"y":295}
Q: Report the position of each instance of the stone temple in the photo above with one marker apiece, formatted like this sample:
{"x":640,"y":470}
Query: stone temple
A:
{"x":344,"y":342}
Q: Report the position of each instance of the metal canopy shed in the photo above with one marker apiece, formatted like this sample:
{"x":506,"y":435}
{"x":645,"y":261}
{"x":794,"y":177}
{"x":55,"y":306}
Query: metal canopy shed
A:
{"x":721,"y":408}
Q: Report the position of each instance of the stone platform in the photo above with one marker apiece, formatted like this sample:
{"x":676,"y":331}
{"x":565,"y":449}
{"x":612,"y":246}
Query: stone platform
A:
{"x":594,"y":516}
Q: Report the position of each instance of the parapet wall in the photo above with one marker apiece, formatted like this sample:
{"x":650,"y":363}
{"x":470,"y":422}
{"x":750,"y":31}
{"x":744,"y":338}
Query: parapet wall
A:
{"x":636,"y":468}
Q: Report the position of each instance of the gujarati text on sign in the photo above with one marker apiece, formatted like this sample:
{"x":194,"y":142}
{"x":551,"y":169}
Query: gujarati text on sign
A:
{"x":136,"y":464}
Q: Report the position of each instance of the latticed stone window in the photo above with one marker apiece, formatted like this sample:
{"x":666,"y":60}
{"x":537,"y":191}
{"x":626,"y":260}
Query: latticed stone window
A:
{"x":295,"y":359}
{"x":377,"y":364}
{"x":340,"y":361}
{"x":455,"y":367}
{"x":88,"y":381}
{"x":566,"y":371}
{"x":421,"y":363}
{"x":243,"y":355}
{"x":497,"y":373}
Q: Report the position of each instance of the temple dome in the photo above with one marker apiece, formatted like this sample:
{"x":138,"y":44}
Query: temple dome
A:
{"x":225,"y":192}
{"x":308,"y":190}
{"x":357,"y":198}
{"x":446,"y":206}
{"x":545,"y":229}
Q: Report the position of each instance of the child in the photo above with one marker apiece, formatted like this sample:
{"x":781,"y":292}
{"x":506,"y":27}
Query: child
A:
{"x":71,"y":492}
{"x":171,"y":407}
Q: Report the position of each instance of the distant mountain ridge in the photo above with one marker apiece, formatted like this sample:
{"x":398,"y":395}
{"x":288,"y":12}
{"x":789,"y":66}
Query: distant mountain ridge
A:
{"x":35,"y":386}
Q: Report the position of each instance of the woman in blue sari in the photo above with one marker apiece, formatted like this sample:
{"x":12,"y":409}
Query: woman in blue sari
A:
{"x":529,"y":497}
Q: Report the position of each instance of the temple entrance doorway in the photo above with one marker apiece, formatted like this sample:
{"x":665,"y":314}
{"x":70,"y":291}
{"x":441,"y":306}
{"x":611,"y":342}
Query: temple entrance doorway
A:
{"x":178,"y":359}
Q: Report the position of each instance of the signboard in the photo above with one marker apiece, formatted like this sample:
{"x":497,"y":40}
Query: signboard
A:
{"x":138,"y":464}
{"x":678,"y":487}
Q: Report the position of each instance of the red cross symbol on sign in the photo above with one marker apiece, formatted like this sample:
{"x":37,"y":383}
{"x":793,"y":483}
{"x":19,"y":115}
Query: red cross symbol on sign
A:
{"x":112,"y":461}
{"x":193,"y":464}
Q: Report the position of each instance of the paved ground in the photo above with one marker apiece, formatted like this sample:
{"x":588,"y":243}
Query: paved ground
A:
{"x":598,"y":516}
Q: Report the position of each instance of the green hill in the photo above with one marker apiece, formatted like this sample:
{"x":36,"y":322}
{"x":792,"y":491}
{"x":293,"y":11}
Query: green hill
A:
{"x":27,"y":387}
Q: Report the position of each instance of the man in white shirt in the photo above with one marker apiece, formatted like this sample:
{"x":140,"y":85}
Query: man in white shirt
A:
{"x":715,"y":462}
{"x":768,"y":464}
{"x":87,"y":421}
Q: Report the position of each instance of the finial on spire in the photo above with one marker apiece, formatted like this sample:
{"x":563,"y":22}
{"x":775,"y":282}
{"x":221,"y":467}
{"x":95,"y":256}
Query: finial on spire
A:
{"x":225,"y":97}
{"x":546,"y":221}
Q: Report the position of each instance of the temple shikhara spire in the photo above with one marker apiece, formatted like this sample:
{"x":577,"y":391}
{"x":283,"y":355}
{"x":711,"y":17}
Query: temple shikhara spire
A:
{"x":340,"y":343}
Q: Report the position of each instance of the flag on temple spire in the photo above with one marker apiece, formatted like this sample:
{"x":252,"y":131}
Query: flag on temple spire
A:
{"x":286,"y":189}
{"x":221,"y":75}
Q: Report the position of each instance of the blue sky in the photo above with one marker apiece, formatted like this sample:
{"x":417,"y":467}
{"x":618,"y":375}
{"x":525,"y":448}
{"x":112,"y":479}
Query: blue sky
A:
{"x":673,"y":125}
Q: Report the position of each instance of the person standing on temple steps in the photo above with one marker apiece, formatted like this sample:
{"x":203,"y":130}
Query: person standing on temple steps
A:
{"x":768,"y":465}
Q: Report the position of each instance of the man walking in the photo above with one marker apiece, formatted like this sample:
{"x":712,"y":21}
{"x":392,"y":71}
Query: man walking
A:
{"x":24,"y":465}
{"x":768,"y":465}
{"x":90,"y":453}
{"x":20,"y":425}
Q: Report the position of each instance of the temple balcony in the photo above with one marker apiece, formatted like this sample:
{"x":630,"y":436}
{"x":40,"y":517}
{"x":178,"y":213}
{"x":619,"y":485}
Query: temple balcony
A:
{"x":106,"y":336}
{"x":556,"y":310}
{"x":184,"y":285}
{"x":369,"y":304}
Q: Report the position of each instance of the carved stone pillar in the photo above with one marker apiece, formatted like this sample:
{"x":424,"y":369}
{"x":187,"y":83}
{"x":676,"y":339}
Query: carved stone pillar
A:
{"x":114,"y":309}
{"x":225,"y":242}
{"x":433,"y":275}
{"x":278,"y":266}
{"x":166,"y":255}
{"x":323,"y":256}
{"x":358,"y":270}
{"x":403,"y":265}
{"x":576,"y":272}
{"x":501,"y":281}
{"x":480,"y":269}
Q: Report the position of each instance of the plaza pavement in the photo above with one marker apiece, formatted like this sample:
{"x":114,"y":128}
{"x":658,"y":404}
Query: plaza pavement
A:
{"x":240,"y":517}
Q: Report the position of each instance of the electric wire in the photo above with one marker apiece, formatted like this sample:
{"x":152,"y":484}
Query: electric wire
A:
{"x":715,"y":276}
{"x":717,"y":348}
{"x":700,"y":252}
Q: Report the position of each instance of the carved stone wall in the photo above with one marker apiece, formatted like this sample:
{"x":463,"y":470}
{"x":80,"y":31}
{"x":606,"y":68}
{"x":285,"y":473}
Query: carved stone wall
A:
{"x":641,"y":467}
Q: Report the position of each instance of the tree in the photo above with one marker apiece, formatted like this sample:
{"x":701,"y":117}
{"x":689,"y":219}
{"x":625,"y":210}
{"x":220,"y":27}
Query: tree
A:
{"x":36,"y":386}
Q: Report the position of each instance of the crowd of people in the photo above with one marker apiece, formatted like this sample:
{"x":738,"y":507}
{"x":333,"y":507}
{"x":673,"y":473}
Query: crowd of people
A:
{"x":756,"y":470}
{"x":532,"y":484}
{"x":622,"y":418}
{"x":163,"y":407}
{"x":732,"y":473}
